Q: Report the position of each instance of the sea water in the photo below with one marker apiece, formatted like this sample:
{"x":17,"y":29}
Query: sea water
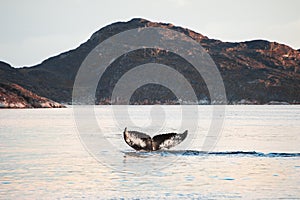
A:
{"x":255,"y":155}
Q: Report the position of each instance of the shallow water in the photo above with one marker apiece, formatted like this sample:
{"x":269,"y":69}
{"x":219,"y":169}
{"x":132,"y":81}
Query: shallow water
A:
{"x":256,"y":156}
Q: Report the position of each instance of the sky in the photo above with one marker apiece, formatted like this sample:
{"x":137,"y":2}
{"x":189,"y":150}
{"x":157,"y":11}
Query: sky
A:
{"x":34,"y":30}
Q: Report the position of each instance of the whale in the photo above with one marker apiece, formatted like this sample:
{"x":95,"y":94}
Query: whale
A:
{"x":143,"y":142}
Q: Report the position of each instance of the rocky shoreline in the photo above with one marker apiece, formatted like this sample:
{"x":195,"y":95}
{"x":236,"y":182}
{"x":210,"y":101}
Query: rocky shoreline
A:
{"x":201,"y":102}
{"x":15,"y":96}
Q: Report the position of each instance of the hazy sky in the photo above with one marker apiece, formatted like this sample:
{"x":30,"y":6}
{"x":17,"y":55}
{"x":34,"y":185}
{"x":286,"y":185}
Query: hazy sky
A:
{"x":34,"y":30}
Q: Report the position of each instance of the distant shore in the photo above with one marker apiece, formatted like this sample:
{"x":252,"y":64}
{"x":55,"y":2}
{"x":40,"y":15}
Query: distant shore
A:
{"x":15,"y":96}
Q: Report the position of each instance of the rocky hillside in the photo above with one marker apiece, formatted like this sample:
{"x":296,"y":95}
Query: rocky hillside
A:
{"x":15,"y":96}
{"x":254,"y":71}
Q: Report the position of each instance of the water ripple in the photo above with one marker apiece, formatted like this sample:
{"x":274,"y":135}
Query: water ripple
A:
{"x":202,"y":153}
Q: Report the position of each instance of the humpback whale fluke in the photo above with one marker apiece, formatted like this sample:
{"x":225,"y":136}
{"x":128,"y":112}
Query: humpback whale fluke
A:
{"x":141,"y":141}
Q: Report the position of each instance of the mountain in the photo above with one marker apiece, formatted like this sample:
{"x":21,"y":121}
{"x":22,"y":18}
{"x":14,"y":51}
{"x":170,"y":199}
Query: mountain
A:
{"x":256,"y":71}
{"x":15,"y":96}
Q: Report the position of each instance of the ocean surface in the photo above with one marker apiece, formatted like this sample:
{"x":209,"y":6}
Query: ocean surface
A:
{"x":44,"y":154}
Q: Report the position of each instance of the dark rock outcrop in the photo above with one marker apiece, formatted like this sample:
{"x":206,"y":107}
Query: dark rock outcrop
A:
{"x":255,"y":71}
{"x":15,"y":96}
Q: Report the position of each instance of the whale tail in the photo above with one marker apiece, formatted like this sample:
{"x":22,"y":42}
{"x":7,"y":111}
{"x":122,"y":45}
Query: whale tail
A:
{"x":142,"y":141}
{"x":168,"y":140}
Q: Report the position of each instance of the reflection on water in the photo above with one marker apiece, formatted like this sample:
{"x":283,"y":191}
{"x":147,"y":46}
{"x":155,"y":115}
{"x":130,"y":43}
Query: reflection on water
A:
{"x":257,"y":156}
